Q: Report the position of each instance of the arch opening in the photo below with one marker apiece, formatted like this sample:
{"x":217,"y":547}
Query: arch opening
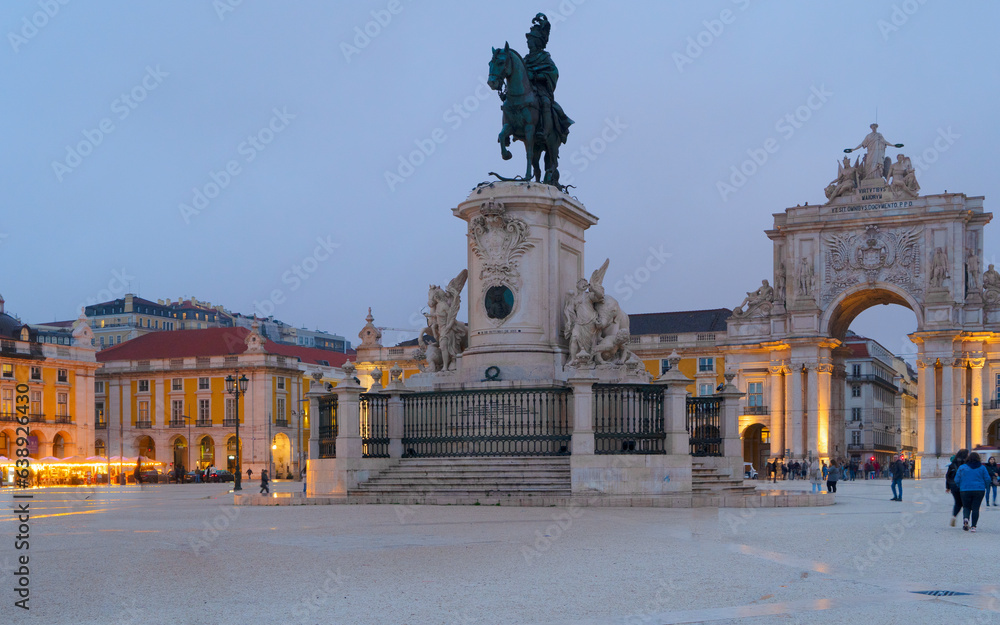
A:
{"x":850,"y":304}
{"x":757,"y":446}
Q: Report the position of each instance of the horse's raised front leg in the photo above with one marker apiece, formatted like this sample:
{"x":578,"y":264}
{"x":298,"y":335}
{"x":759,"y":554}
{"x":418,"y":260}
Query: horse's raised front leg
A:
{"x":504,"y":140}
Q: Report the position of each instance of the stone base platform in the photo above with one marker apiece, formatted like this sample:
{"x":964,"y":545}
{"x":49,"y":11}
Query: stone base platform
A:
{"x":765,"y":499}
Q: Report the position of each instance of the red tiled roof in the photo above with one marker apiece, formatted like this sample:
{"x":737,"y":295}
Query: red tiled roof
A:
{"x":210,"y":342}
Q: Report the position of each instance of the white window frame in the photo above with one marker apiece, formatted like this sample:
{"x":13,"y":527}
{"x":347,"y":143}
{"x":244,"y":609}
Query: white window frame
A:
{"x":755,"y":398}
{"x":62,"y":404}
{"x":176,"y":384}
{"x":204,"y":410}
{"x":142,"y":386}
{"x":706,"y":365}
{"x":204,"y":384}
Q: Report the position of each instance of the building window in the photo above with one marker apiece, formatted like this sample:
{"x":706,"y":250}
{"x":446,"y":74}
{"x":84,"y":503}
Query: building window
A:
{"x":855,"y":390}
{"x":177,"y":384}
{"x":99,"y":448}
{"x":102,"y":341}
{"x":755,"y":394}
{"x":706,"y":364}
{"x":665,"y":366}
{"x":62,"y":375}
{"x":144,"y":411}
{"x":177,"y":410}
{"x":99,"y":386}
{"x":855,"y":414}
{"x":62,"y":404}
{"x":704,"y":390}
{"x":856,"y":370}
{"x":204,"y":413}
{"x":36,"y":373}
{"x":281,"y":384}
{"x":144,"y":386}
{"x":230,"y":408}
{"x":99,"y":412}
{"x":8,"y":371}
{"x":202,"y":384}
{"x":856,"y":437}
{"x":36,"y":402}
{"x":7,"y":402}
{"x":281,"y":408}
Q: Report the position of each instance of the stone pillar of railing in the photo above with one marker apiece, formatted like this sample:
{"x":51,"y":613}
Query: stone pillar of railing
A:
{"x":729,"y":422}
{"x":675,"y":407}
{"x":315,"y":393}
{"x":583,"y":415}
{"x":348,"y":393}
{"x":394,"y":411}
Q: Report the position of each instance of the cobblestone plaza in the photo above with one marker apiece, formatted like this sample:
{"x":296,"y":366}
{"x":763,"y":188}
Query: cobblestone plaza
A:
{"x":185,"y":554}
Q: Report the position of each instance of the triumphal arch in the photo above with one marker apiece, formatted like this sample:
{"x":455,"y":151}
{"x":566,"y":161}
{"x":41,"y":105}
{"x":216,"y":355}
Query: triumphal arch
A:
{"x":876,"y":240}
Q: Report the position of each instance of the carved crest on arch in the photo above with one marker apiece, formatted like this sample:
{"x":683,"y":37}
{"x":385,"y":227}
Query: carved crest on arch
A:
{"x":871,"y":256}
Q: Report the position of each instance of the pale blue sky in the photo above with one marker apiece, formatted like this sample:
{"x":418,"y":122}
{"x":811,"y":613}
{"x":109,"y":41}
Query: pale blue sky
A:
{"x":346,"y":117}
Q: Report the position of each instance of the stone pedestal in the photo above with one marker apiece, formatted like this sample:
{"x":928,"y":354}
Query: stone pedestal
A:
{"x":525,"y":255}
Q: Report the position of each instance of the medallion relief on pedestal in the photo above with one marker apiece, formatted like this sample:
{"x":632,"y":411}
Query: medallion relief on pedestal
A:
{"x":499,"y":241}
{"x":872,"y":256}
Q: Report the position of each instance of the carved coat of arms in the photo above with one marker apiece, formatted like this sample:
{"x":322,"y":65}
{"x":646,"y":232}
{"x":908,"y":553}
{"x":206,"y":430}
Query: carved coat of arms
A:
{"x":890,"y":256}
{"x":499,"y":240}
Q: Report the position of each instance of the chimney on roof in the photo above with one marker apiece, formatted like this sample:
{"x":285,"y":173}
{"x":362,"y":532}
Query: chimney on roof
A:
{"x":160,"y":302}
{"x":128,"y":302}
{"x":168,"y":301}
{"x":194,"y":300}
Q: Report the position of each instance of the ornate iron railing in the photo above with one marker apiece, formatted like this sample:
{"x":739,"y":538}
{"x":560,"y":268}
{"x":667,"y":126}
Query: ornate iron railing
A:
{"x":703,"y":422}
{"x":516,"y":422}
{"x":756,"y":410}
{"x":281,"y":423}
{"x":628,"y":419}
{"x":374,"y":426}
{"x":328,"y":427}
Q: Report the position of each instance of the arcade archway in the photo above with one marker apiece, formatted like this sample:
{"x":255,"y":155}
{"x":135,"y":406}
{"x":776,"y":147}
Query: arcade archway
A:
{"x":757,"y":446}
{"x":281,"y":448}
{"x":146,"y":447}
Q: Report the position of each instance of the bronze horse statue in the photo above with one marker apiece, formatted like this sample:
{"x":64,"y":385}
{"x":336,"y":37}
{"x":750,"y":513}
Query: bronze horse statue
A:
{"x":522,"y":115}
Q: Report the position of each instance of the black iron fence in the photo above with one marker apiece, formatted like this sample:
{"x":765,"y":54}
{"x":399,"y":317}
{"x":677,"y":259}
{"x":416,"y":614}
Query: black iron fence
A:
{"x":628,"y":419}
{"x":328,"y":427}
{"x":703,"y":422}
{"x":517,"y":422}
{"x":374,"y":426}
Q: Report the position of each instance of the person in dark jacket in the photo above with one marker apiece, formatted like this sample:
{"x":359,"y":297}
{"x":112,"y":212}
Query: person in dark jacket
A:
{"x":264,"y":488}
{"x":972,"y":480}
{"x":994,"y":470}
{"x":832,"y":477}
{"x":896,"y":471}
{"x":949,"y":482}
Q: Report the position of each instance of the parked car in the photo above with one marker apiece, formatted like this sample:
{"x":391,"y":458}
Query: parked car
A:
{"x":150,"y":476}
{"x":219,"y":476}
{"x":749,"y":472}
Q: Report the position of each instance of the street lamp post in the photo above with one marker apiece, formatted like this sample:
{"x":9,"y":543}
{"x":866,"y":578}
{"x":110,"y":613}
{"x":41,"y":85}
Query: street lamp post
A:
{"x":237,"y":386}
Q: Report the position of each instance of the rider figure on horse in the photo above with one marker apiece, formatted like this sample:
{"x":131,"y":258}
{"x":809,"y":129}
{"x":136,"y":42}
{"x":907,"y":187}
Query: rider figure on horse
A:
{"x":543,"y":75}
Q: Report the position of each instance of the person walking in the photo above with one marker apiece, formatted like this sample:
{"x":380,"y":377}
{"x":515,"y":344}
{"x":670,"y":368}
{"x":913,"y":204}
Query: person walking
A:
{"x":303,"y":480}
{"x":816,"y":477}
{"x":896,"y":471}
{"x":972,"y":480}
{"x":774,"y":471}
{"x":949,"y":482}
{"x":265,"y":489}
{"x":249,"y":475}
{"x":994,"y":470}
{"x":832,"y":478}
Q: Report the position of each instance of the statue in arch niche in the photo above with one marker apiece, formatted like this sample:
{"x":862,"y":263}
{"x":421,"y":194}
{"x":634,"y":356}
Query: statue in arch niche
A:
{"x":991,"y":287}
{"x":939,"y":268}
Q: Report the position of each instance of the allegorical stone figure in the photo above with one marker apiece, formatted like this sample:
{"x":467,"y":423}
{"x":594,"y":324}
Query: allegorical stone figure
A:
{"x":972,"y":270}
{"x":903,"y":177}
{"x":846,"y":180}
{"x":939,"y":268}
{"x":450,"y":335}
{"x":597,"y":327}
{"x":759,"y":300}
{"x":806,"y":277}
{"x":873,"y":164}
{"x":991,"y":286}
{"x":780,"y":275}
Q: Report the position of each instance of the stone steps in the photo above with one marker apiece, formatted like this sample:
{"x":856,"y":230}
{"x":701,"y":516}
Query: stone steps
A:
{"x":710,"y":482}
{"x":469,"y":479}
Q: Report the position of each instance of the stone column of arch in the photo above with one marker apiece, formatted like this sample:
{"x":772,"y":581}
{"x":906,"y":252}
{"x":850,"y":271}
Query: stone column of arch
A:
{"x":977,"y":364}
{"x":777,"y":410}
{"x":795,"y":413}
{"x":811,"y":420}
{"x":948,"y":402}
{"x":927,"y":444}
{"x":821,"y":442}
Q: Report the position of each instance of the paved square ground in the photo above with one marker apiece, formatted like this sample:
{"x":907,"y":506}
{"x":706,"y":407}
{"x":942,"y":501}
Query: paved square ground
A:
{"x":184,"y":554}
